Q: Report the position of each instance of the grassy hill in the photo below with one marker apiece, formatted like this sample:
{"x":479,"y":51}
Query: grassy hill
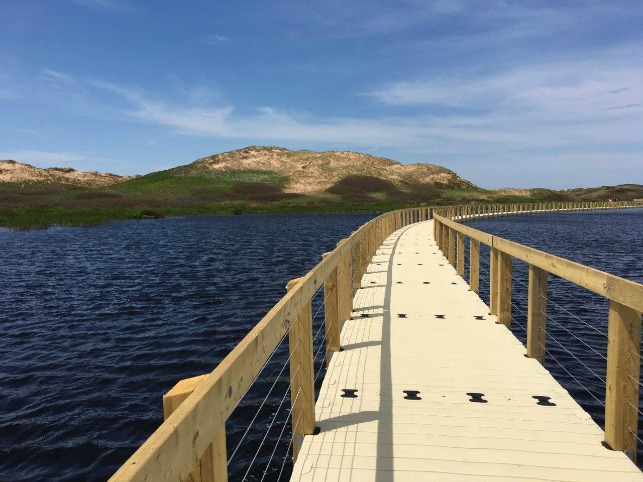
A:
{"x":251,"y":180}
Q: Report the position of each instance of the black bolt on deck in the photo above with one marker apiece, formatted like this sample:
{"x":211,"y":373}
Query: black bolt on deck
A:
{"x":477,"y":397}
{"x":544,"y":401}
{"x":349,"y":393}
{"x":412,"y":395}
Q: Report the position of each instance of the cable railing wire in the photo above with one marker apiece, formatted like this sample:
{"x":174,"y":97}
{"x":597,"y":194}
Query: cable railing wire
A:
{"x":269,"y":428}
{"x":567,"y":371}
{"x":266,"y":397}
{"x":566,"y":350}
{"x":294,"y":426}
{"x":558,"y":324}
{"x":575,"y":379}
{"x":576,"y":317}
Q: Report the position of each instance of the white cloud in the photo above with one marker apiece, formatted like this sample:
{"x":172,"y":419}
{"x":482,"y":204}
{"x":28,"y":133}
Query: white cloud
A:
{"x":574,"y":88}
{"x":187,"y":120}
{"x":62,"y":82}
{"x":214,"y":39}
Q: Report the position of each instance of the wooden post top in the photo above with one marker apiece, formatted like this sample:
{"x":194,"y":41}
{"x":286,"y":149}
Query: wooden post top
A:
{"x":291,"y":284}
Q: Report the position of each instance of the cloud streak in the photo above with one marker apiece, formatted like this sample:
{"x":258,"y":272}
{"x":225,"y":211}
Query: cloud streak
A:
{"x":214,"y":39}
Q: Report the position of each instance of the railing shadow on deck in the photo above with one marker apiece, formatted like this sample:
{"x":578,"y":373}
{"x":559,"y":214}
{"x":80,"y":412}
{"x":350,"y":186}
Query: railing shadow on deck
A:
{"x":191,"y":443}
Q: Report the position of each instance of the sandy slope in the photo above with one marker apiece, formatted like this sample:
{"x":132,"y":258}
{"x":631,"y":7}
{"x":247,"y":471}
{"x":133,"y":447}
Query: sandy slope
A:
{"x":311,"y":172}
{"x":16,"y":172}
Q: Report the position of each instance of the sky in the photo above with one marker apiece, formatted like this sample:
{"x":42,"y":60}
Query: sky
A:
{"x":513,"y":93}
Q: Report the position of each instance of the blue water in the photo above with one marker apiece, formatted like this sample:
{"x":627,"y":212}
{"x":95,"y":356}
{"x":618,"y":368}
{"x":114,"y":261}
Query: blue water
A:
{"x":97,"y":323}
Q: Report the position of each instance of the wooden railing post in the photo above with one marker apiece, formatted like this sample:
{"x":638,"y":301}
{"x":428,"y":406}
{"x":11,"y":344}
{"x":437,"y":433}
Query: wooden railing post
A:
{"x":355,"y":268}
{"x":302,"y":379}
{"x":493,"y":281}
{"x":474,"y":265}
{"x":537,"y":313}
{"x":213,"y":464}
{"x":363,"y":258}
{"x":460,"y":259}
{"x":445,"y":241}
{"x":504,"y":289}
{"x":622,"y":387}
{"x":451,"y":257}
{"x":344,"y":287}
{"x":331,"y":314}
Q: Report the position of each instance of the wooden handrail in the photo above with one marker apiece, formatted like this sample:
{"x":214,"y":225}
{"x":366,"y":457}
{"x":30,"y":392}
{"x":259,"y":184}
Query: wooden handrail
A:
{"x":198,"y":422}
{"x":605,"y":284}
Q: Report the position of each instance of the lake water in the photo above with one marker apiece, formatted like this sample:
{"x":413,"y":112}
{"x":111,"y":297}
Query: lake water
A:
{"x":97,"y":323}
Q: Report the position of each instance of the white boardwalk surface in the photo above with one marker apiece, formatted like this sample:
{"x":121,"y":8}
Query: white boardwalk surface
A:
{"x":396,"y":342}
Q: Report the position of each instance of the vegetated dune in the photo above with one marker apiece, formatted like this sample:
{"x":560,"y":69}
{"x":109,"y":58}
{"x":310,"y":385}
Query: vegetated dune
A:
{"x":12,"y":172}
{"x":310,"y":172}
{"x":622,"y":192}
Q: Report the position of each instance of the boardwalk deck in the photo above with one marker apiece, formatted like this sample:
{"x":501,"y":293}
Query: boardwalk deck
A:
{"x":395,"y":342}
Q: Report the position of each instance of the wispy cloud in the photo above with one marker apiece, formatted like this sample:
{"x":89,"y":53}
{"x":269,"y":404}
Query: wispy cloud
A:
{"x":187,"y":120}
{"x":59,"y":79}
{"x":214,"y":39}
{"x":107,"y":5}
{"x":27,"y":130}
{"x":578,"y":89}
{"x":619,"y":107}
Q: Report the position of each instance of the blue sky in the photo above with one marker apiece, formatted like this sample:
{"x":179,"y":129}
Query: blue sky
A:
{"x":505,"y":93}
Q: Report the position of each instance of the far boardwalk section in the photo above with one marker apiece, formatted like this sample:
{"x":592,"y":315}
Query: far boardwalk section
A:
{"x":428,"y":386}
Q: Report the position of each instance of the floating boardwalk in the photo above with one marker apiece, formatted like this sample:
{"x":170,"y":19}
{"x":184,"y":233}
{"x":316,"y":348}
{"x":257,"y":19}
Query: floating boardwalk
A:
{"x":430,"y":387}
{"x":425,"y":381}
